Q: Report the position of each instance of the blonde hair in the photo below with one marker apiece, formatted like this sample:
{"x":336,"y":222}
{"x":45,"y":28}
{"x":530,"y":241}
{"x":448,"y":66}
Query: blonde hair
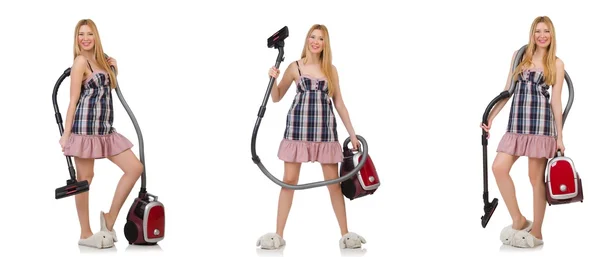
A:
{"x":549,"y":58}
{"x":98,"y":51}
{"x":324,"y":57}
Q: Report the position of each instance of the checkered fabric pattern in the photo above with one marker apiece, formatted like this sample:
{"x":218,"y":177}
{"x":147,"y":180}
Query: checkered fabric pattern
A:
{"x":311,"y":116}
{"x":94,"y":113}
{"x":531,"y":112}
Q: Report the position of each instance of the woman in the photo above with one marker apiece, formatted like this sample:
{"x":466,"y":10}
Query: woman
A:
{"x":311,"y":128}
{"x":534,"y":130}
{"x":89,"y":133}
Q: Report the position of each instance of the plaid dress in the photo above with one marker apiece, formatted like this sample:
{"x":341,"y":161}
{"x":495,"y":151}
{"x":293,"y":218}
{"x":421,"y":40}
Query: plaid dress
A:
{"x":311,"y":128}
{"x":92,"y":133}
{"x":531,"y":129}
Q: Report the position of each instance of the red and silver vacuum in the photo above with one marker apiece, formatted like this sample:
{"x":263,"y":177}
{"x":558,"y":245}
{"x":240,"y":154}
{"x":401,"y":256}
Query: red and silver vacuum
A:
{"x":366,"y":181}
{"x":563,"y":183}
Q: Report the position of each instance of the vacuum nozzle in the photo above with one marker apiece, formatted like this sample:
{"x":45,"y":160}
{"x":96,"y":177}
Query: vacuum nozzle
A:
{"x":72,"y":188}
{"x":278,"y":37}
{"x":488,"y":210}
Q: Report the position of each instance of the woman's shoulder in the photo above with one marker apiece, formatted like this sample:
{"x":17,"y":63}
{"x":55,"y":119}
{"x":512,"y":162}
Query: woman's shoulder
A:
{"x":559,"y":63}
{"x":80,"y":60}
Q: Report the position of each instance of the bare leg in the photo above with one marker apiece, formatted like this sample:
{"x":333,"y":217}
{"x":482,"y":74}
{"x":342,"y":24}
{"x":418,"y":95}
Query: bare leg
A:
{"x":330,"y":171}
{"x":537,"y":167}
{"x":501,"y":168}
{"x":286,"y":196}
{"x":85,"y":171}
{"x":132,"y":169}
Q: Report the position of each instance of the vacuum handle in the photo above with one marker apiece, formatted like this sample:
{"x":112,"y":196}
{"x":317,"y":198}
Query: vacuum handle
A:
{"x":154,"y":197}
{"x":348,"y":141}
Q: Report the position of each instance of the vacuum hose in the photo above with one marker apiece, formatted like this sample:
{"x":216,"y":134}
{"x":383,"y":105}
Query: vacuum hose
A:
{"x":490,"y":207}
{"x":277,"y":41}
{"x":138,"y":131}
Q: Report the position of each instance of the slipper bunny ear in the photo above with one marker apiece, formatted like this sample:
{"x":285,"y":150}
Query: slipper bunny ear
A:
{"x":362,"y":239}
{"x":276,"y":242}
{"x":342,"y":243}
{"x":98,"y":241}
{"x":258,"y":242}
{"x":530,"y":241}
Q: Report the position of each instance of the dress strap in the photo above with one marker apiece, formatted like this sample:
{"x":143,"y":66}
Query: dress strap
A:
{"x":298,"y":66}
{"x":89,"y":65}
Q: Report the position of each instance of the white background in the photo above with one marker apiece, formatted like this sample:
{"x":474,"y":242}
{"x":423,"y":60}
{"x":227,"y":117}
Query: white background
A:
{"x":416,"y":79}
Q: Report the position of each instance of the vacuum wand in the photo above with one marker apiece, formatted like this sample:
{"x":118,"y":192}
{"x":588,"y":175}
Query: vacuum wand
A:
{"x":73,"y":186}
{"x":277,"y":41}
{"x":488,"y":207}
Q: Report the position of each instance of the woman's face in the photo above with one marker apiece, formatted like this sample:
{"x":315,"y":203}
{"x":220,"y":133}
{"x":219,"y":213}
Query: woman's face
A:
{"x":85,"y":38}
{"x":542,"y":35}
{"x":316,"y":41}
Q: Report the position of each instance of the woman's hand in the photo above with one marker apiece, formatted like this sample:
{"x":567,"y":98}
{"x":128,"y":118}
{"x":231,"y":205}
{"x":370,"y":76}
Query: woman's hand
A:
{"x":63,"y":140}
{"x":487,"y":128}
{"x":560,"y":146}
{"x":274,"y":72}
{"x":355,"y":143}
{"x":112,"y":62}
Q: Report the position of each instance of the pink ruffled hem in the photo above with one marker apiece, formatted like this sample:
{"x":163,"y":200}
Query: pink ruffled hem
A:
{"x":306,"y":151}
{"x":534,"y":146}
{"x":96,"y":146}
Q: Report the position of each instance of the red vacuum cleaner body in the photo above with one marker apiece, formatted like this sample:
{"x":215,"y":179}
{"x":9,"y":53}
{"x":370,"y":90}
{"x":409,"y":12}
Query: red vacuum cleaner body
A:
{"x":365,"y":182}
{"x":145,"y":221}
{"x":563,"y":184}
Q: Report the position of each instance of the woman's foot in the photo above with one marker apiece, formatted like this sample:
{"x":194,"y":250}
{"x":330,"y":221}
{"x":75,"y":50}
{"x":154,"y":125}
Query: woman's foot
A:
{"x":507,"y":234}
{"x":520,"y":224}
{"x":104,"y":226}
{"x":536,"y":234}
{"x":99,"y":240}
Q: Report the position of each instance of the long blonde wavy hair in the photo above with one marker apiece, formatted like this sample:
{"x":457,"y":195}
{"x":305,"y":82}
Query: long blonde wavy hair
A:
{"x":324,"y":58}
{"x":98,"y":51}
{"x":549,"y":58}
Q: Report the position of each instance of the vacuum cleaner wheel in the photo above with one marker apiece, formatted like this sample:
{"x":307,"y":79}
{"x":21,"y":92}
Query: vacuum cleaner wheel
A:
{"x":131,"y":232}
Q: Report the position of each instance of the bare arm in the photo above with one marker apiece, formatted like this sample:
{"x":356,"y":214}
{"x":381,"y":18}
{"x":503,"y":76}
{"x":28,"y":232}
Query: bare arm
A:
{"x":77,"y":73}
{"x":338,"y":102}
{"x":556,"y":101}
{"x":279,"y":89}
{"x":498,"y":107}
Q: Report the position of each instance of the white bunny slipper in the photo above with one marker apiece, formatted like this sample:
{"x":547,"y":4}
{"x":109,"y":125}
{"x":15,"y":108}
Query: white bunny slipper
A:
{"x":103,"y":227}
{"x":270,"y":241}
{"x":99,"y":240}
{"x":523,"y":239}
{"x":352,"y":240}
{"x":508,"y":232}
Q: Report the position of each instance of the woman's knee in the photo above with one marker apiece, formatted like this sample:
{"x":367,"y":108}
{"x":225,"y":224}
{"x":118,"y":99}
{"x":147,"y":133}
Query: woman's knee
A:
{"x":84,"y":169}
{"x":536,"y":171}
{"x":292,"y":180}
{"x":136,"y":169}
{"x":502,"y":165}
{"x":291,"y":174}
{"x":85,"y":176}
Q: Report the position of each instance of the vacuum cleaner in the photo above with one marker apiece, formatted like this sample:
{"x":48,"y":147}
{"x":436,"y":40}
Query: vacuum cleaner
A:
{"x":490,"y":207}
{"x":277,"y":41}
{"x":146,"y":218}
